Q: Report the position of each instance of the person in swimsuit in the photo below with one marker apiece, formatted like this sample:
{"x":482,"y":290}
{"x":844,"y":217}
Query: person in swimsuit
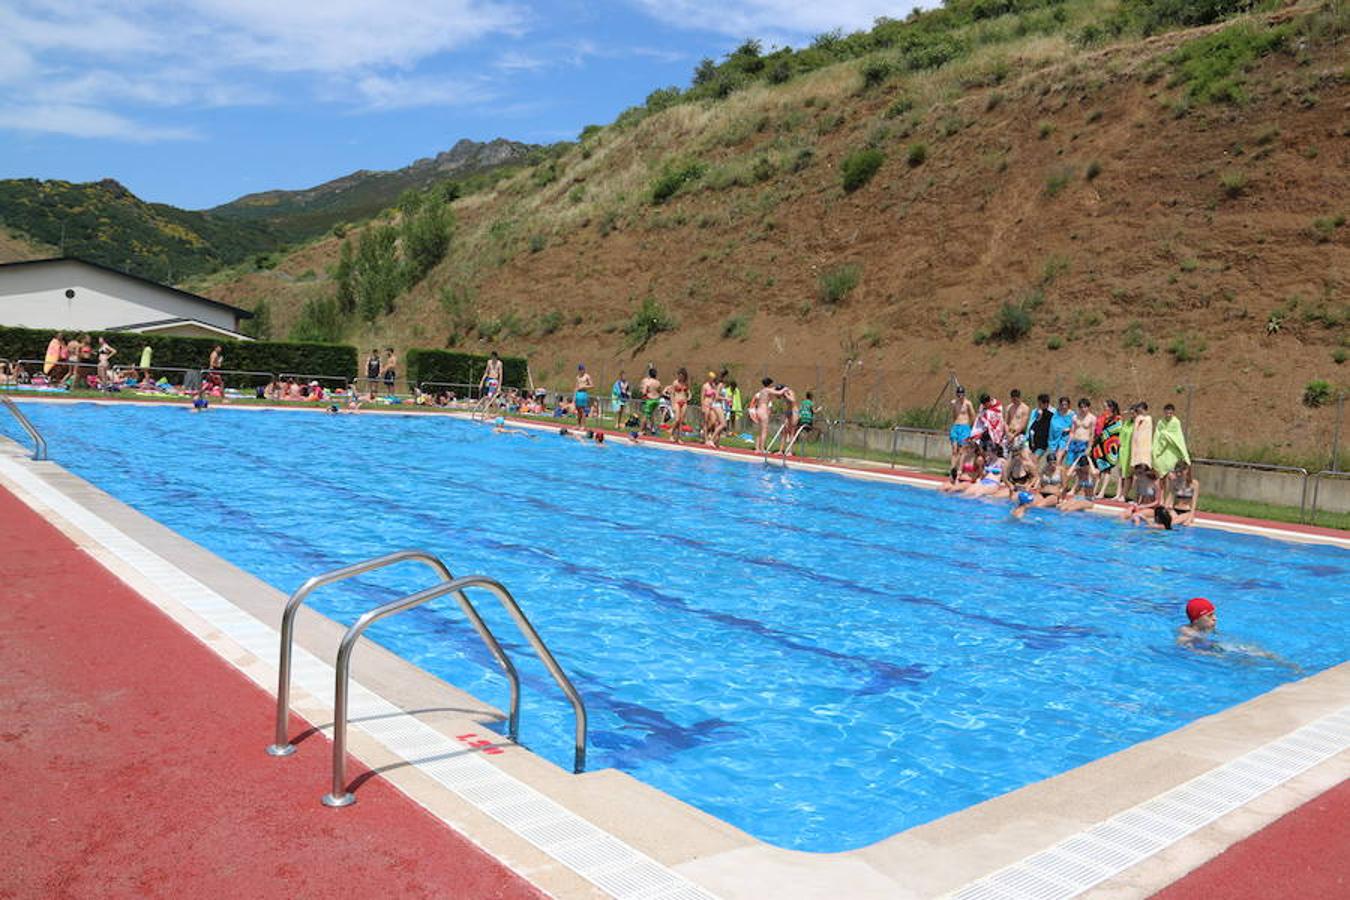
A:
{"x":1078,"y":492}
{"x":1203,"y":618}
{"x":581,"y":394}
{"x":106,"y":351}
{"x":1050,"y":487}
{"x":1080,"y":434}
{"x":1147,"y":495}
{"x":373,"y":368}
{"x":761,"y":409}
{"x":618,"y":392}
{"x":51,"y":362}
{"x":965,"y":473}
{"x":651,"y":400}
{"x":806,"y":418}
{"x":1182,"y":494}
{"x":789,"y":398}
{"x":963,"y":417}
{"x":679,"y":401}
{"x":491,"y":382}
{"x":1015,"y":417}
{"x":390,"y":370}
{"x":1061,"y":424}
{"x":991,"y":481}
{"x":710,"y":404}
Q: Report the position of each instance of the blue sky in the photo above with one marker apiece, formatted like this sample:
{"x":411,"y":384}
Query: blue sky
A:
{"x":196,"y":102}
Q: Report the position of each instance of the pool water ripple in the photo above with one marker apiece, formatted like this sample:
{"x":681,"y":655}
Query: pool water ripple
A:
{"x":821,"y":661}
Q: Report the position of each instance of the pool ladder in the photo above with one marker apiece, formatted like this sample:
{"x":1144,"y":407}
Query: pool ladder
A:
{"x":39,"y":442}
{"x":446,"y":584}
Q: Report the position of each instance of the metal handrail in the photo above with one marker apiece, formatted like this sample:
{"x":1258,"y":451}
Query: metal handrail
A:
{"x":39,"y":442}
{"x":1263,"y":467}
{"x":282,"y":745}
{"x":339,"y":795}
{"x":1317,"y":487}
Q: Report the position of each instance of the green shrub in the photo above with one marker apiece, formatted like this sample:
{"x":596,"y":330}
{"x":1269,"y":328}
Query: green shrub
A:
{"x":1324,"y":229}
{"x":736,"y":328}
{"x":763,"y":168}
{"x":674,"y":176}
{"x":802,"y":159}
{"x":649,"y":320}
{"x":1212,"y":67}
{"x":859,"y":166}
{"x":1044,"y":130}
{"x":537,"y":243}
{"x":930,"y":417}
{"x":426,"y":238}
{"x":1317,"y":393}
{"x":1134,"y":335}
{"x":1338,"y":356}
{"x":1012,"y":323}
{"x":1057,"y":181}
{"x":1054,"y":343}
{"x":1153,"y":16}
{"x":1094,"y":169}
{"x":916,"y":155}
{"x":452,"y":367}
{"x":1233,"y":184}
{"x":1090,"y":385}
{"x":875,"y":72}
{"x":550,"y":322}
{"x":899,"y":106}
{"x":320,"y":321}
{"x":298,"y":357}
{"x":839,"y":282}
{"x":1187,"y":348}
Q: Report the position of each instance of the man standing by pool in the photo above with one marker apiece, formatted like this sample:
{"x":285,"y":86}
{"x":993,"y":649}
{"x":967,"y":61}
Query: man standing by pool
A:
{"x":619,"y":392}
{"x":491,"y":382}
{"x":1080,"y":436}
{"x":373,"y":369}
{"x":963,"y":417}
{"x":1015,"y":416}
{"x":651,"y":400}
{"x":582,"y":395}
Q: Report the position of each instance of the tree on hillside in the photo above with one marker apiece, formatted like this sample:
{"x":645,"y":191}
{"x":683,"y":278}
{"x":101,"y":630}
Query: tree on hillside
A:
{"x":346,"y":291}
{"x":377,"y":275}
{"x":426,"y":238}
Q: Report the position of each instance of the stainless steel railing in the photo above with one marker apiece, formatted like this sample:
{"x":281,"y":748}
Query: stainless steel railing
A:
{"x":281,"y":745}
{"x":339,"y":795}
{"x":39,"y":442}
{"x":1264,"y":467}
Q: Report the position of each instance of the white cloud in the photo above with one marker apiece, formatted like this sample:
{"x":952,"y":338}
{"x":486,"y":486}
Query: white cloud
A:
{"x":84,"y":122}
{"x":762,"y":18}
{"x":91,"y":64}
{"x":514,"y":61}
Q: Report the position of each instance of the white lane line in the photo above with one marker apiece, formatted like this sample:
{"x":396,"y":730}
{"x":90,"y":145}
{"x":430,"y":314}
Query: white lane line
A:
{"x":607,"y":862}
{"x":1086,"y":859}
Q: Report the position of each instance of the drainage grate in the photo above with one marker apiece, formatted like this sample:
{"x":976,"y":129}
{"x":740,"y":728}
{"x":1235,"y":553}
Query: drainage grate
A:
{"x":1079,"y":862}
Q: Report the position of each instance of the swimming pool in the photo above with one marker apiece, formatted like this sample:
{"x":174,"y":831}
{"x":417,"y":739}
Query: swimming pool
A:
{"x":821,"y":661}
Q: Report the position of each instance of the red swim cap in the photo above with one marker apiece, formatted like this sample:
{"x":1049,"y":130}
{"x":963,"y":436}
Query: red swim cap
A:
{"x":1197,"y":607}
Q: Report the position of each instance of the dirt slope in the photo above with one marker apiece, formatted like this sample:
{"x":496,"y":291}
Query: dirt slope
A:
{"x":1165,"y":248}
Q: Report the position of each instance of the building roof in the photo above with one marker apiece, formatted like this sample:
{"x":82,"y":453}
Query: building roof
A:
{"x":162,"y":324}
{"x":241,"y":313}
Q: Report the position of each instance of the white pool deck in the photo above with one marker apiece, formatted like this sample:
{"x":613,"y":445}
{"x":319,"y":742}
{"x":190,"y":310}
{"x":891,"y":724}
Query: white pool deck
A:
{"x":1122,"y":826}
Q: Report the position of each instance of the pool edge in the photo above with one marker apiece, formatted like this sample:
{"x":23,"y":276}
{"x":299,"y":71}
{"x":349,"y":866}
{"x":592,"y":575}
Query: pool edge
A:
{"x":724,"y":859}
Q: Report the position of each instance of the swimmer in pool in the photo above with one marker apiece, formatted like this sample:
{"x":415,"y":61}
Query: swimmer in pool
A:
{"x":1199,"y":635}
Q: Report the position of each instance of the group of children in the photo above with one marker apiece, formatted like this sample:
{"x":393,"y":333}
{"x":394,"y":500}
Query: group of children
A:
{"x":1042,"y":457}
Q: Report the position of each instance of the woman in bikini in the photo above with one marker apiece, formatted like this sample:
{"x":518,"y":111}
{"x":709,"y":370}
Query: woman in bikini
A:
{"x":991,"y":482}
{"x":970,"y":462}
{"x":710,"y":403}
{"x":1051,"y":484}
{"x":679,"y":401}
{"x":1183,"y":493}
{"x":1148,"y":496}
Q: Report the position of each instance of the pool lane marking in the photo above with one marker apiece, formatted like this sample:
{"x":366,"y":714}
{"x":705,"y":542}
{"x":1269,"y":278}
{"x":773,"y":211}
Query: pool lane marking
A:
{"x":602,"y":859}
{"x":1084,"y":860}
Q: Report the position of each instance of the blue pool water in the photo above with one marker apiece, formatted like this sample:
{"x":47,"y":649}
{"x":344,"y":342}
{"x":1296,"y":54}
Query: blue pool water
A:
{"x":819,"y":660}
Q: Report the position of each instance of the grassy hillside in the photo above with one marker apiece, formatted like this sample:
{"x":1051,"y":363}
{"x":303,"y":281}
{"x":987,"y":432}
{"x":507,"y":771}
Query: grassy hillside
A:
{"x":299,"y":215}
{"x":1134,"y":199}
{"x":15,"y":247}
{"x":105,"y":223}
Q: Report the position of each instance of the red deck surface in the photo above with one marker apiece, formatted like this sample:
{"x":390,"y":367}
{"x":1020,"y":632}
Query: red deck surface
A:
{"x":1305,"y":855}
{"x":132,"y":761}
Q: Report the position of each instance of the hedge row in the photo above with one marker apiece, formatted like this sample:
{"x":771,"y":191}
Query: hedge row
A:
{"x":450,"y":367}
{"x":194,"y":353}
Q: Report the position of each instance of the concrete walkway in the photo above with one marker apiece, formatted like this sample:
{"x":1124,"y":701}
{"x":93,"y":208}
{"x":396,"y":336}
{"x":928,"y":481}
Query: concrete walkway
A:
{"x":133,"y":765}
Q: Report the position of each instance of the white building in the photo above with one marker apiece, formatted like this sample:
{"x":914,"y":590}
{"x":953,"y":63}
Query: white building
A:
{"x":74,"y":295}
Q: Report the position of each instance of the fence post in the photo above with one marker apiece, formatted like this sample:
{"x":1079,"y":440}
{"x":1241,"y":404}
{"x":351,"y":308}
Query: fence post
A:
{"x":895,"y":439}
{"x":1336,"y":435}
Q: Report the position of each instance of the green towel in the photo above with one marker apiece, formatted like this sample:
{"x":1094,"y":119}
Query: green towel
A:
{"x":1126,"y":437}
{"x":1169,"y":445}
